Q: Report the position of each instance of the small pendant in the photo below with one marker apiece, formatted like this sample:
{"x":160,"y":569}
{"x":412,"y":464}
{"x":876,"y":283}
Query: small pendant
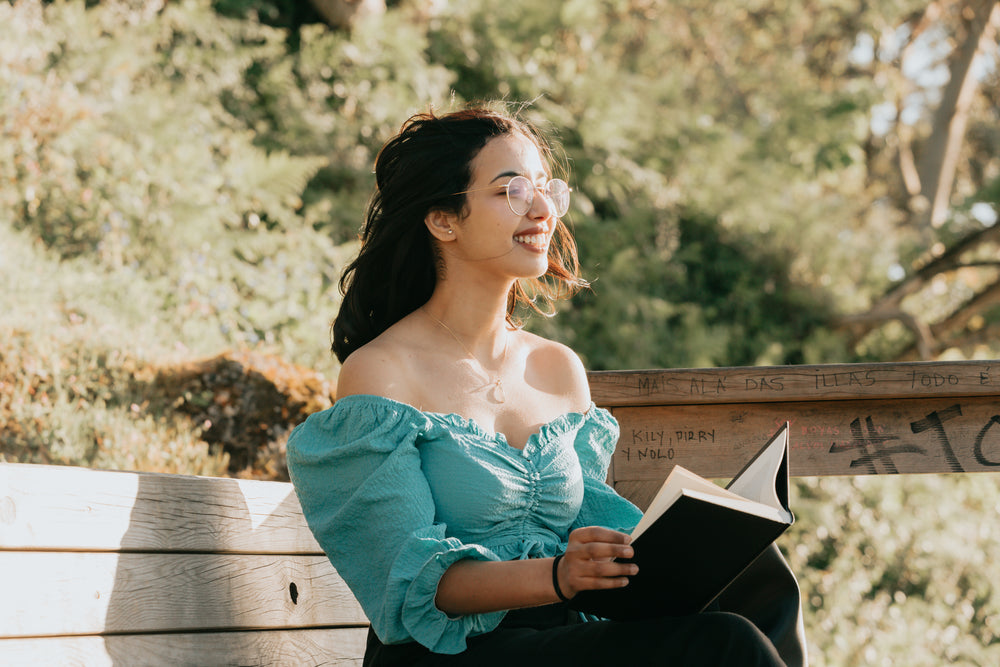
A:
{"x":499,"y":393}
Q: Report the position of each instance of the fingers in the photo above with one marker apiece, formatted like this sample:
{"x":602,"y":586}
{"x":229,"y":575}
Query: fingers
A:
{"x":601,"y":570}
{"x":589,"y":562}
{"x":599,"y":534}
{"x":599,"y":543}
{"x":581,"y":568}
{"x":579,"y":574}
{"x":601,"y":550}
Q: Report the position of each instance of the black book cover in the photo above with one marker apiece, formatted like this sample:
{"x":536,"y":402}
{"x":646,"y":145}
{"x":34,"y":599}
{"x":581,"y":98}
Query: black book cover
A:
{"x":689,"y":555}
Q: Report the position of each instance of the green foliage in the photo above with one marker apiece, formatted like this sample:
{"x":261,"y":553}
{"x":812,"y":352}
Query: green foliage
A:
{"x":703,"y":298}
{"x":345,"y":94}
{"x":670,"y":112}
{"x":116,"y":150}
{"x":155,"y":161}
{"x":897,"y":569}
{"x":291,"y":14}
{"x":73,"y":335}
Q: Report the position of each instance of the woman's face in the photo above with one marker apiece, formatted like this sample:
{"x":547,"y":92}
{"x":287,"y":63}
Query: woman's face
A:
{"x":490,"y":231}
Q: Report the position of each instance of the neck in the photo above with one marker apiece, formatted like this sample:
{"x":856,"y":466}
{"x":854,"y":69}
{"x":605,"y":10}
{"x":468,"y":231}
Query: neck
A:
{"x":473,"y":313}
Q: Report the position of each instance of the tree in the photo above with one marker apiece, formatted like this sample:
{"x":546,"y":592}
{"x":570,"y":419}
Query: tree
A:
{"x":756,"y":119}
{"x":935,"y":163}
{"x":344,"y":13}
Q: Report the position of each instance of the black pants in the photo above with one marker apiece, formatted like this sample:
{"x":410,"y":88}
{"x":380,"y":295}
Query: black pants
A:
{"x":553,"y":635}
{"x":756,"y":619}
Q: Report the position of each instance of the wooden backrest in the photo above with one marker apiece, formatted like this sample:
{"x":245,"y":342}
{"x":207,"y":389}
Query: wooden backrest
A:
{"x":846,"y":419}
{"x":106,"y":568}
{"x":119,"y":568}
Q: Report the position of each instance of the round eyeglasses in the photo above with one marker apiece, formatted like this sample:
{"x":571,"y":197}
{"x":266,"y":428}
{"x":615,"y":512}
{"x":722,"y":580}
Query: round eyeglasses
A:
{"x":521,"y":194}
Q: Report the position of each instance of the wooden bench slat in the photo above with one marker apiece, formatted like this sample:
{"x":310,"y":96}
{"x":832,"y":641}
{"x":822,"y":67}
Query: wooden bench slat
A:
{"x":60,"y":507}
{"x":794,"y":383}
{"x":52,"y":593}
{"x":826,"y":438}
{"x":334,"y":646}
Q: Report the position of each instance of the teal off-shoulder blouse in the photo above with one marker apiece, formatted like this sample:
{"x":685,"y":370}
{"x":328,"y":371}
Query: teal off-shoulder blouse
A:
{"x":395,"y":495}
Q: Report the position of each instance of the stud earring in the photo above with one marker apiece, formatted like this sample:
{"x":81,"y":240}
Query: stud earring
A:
{"x":451,"y":231}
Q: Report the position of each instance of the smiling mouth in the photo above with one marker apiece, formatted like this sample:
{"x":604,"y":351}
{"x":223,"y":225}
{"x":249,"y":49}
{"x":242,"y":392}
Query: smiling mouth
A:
{"x":539,"y":241}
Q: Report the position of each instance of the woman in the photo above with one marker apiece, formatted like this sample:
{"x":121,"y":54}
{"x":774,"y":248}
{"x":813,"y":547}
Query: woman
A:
{"x":460,"y":475}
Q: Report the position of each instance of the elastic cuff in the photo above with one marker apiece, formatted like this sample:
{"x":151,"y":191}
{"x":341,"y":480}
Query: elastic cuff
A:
{"x":423,"y":620}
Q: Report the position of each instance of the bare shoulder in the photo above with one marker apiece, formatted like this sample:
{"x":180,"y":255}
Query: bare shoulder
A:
{"x":378,"y":368}
{"x":365,"y":371}
{"x":557,"y":368}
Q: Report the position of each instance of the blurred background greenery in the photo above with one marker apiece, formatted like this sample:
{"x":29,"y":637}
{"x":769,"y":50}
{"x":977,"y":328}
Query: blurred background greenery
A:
{"x":755,"y":183}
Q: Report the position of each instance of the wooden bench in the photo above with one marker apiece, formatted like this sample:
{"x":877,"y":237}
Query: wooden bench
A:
{"x":846,"y":419}
{"x":116,"y":568}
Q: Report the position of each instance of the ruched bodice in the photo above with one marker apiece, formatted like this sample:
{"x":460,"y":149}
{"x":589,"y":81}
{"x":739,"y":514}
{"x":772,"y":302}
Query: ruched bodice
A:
{"x":520,"y":502}
{"x":395,"y":495}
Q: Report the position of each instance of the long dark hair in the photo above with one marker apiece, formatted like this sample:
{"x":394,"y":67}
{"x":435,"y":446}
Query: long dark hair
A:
{"x":416,"y":172}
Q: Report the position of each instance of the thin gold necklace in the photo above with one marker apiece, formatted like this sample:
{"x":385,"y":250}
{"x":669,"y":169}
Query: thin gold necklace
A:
{"x":495,"y":380}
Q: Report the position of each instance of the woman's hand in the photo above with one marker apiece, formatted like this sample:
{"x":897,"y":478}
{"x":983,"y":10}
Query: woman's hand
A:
{"x":589,"y":561}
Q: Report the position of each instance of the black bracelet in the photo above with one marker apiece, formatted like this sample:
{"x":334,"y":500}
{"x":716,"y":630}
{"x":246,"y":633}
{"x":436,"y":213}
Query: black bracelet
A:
{"x":555,"y":578}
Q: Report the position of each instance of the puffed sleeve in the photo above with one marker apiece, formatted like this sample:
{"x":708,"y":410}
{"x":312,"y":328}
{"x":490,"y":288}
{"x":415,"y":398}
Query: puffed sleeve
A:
{"x":602,"y":506}
{"x":356,"y":470}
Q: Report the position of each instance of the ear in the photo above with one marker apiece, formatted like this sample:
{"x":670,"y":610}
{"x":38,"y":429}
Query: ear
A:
{"x":441,"y":225}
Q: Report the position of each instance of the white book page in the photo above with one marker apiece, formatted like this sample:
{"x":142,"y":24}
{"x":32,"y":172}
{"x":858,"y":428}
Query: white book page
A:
{"x":683,"y":481}
{"x":743,"y":505}
{"x":758,"y":481}
{"x":754,"y":488}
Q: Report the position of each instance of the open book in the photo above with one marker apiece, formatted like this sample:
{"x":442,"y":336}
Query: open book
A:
{"x":696,"y":538}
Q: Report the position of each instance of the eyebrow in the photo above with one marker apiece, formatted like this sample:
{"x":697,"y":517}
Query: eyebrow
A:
{"x":506,"y":173}
{"x":515,"y":173}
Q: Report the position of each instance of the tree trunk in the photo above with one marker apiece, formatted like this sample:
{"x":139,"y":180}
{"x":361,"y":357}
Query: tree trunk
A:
{"x":344,"y":13}
{"x":888,"y":307}
{"x":939,"y":158}
{"x":930,"y":178}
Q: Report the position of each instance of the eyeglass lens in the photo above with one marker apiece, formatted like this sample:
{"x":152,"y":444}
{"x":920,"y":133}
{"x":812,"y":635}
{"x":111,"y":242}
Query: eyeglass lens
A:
{"x":521,"y":194}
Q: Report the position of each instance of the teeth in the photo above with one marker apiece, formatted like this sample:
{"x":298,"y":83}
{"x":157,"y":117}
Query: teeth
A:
{"x":532,"y":239}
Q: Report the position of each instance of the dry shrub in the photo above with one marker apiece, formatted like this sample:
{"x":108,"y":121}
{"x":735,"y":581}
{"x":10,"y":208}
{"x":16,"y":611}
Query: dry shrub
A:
{"x":247,"y":402}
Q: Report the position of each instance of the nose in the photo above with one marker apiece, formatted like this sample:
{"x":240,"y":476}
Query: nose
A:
{"x":541,"y":206}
